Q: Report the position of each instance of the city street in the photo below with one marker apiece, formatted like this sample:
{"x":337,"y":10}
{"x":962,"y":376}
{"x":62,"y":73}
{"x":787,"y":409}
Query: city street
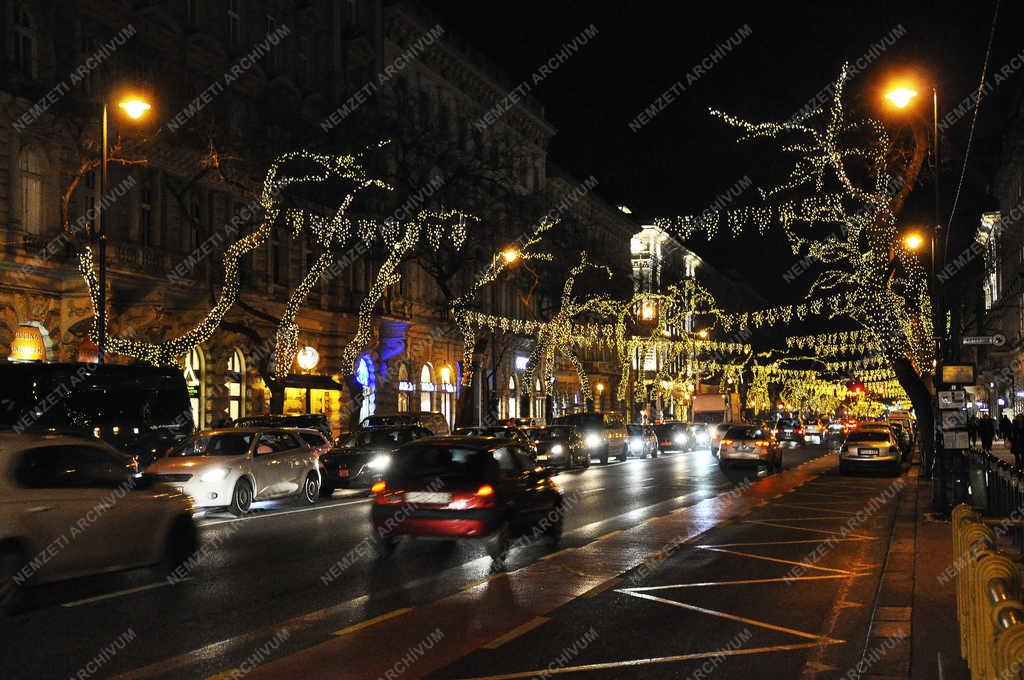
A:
{"x":265,"y":576}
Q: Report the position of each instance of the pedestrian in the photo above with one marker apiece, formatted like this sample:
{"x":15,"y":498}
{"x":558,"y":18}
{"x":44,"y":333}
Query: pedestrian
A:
{"x":972,"y":430}
{"x":1005,"y":427}
{"x":987,"y":432}
{"x":1017,"y":440}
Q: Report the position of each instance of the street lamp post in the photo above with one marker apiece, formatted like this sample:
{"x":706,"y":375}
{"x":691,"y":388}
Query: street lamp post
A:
{"x":135,"y":108}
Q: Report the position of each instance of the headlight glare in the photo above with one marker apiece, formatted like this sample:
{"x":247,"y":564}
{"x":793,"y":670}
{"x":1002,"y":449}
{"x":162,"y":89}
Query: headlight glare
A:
{"x":214,"y":475}
{"x":592,"y":440}
{"x":557,"y":449}
{"x":380,"y":462}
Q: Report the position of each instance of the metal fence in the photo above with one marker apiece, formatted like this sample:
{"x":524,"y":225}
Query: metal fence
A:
{"x":996,"y":489}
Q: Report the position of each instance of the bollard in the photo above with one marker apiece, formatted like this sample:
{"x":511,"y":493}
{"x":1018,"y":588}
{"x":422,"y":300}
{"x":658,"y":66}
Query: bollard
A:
{"x":977,"y":485}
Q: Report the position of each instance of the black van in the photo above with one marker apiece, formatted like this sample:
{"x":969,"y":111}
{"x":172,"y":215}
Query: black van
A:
{"x":141,"y":410}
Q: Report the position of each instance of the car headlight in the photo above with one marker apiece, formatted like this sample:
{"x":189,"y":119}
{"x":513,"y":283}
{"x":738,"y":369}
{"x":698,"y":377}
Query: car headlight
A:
{"x":557,"y":449}
{"x":593,"y":440}
{"x":214,"y":475}
{"x":679,"y":438}
{"x":636,"y":443}
{"x":703,"y":438}
{"x":380,"y":462}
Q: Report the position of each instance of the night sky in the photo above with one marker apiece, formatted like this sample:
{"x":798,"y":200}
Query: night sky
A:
{"x":683,"y":159}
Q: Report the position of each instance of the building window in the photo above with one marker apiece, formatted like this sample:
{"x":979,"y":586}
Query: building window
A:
{"x":426,"y":389}
{"x":365,"y":378}
{"x":538,"y":401}
{"x":234,"y":23}
{"x":193,"y":370}
{"x":234,"y":381}
{"x":447,"y":392}
{"x":278,"y":259}
{"x":23,"y":42}
{"x":404,"y":387}
{"x":32,"y":191}
{"x":146,"y":231}
{"x":513,"y":401}
{"x":195,"y":219}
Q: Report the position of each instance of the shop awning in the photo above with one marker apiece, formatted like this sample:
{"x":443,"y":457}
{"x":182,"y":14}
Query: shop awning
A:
{"x":311,"y":382}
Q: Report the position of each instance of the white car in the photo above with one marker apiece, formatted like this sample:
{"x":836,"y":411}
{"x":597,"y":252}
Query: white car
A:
{"x":230,"y":468}
{"x":814,"y":432}
{"x":72,"y":507}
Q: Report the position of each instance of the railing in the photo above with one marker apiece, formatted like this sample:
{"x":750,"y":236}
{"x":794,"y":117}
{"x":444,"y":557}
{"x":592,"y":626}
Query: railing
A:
{"x":996,"y":488}
{"x":988,"y":587}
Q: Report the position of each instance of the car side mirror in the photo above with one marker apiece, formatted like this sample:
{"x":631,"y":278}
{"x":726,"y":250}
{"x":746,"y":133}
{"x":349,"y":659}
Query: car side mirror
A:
{"x":263,"y":449}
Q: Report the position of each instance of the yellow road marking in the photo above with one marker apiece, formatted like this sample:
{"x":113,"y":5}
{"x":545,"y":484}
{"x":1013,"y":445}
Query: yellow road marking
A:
{"x":811,"y":531}
{"x":601,"y":587}
{"x":646,"y":662}
{"x":816,"y":509}
{"x":738,"y":582}
{"x":516,"y":632}
{"x":370,"y":622}
{"x":609,"y":535}
{"x":792,"y":542}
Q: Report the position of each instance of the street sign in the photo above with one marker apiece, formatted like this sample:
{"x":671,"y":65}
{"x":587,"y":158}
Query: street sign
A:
{"x":997,"y":340}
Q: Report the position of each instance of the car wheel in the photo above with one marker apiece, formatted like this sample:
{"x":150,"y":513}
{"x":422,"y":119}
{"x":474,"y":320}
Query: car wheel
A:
{"x":625,"y":453}
{"x":604,"y":459}
{"x":181,"y":543}
{"x":586,"y":461}
{"x":500,"y":543}
{"x":386,"y":545}
{"x":11,"y":592}
{"x":311,"y":489}
{"x":241,"y":498}
{"x":326,"y":491}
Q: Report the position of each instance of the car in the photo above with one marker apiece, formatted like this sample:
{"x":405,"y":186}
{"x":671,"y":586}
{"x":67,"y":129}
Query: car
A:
{"x":559,"y":447}
{"x":313,"y":421}
{"x":52,"y":485}
{"x":643,"y":441}
{"x":716,"y":433}
{"x":700,"y":436}
{"x":814,"y":432}
{"x":902,"y":437}
{"x":364,"y":457}
{"x":139,"y":410}
{"x":604,"y":434}
{"x":789,"y":430}
{"x":315,"y":440}
{"x":499,"y":431}
{"x":477,"y":488}
{"x":750,"y":444}
{"x":233,"y":467}
{"x":870,"y":448}
{"x":673,"y":435}
{"x":433,"y":421}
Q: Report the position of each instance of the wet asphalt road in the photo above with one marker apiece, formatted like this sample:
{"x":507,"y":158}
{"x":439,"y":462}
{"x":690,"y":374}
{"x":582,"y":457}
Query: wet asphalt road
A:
{"x":265,"y":575}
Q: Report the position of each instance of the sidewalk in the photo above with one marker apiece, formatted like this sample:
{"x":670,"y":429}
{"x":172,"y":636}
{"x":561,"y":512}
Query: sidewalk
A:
{"x":805,"y":574}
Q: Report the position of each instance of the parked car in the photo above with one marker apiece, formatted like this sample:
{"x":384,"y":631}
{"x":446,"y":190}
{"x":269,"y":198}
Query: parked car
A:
{"x":433,"y":421}
{"x":673,"y":436}
{"x":789,"y":430}
{"x":139,"y":410}
{"x":478,"y":488}
{"x":870,"y":448}
{"x":750,"y":444}
{"x":233,"y":467}
{"x":365,"y":456}
{"x":311,"y":421}
{"x":604,"y":434}
{"x":559,"y":447}
{"x":716,"y":433}
{"x":50,"y":483}
{"x":643,"y":441}
{"x":315,"y":440}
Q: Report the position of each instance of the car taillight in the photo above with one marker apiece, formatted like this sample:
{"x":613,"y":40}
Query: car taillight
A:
{"x":485,"y":490}
{"x":799,"y":430}
{"x":726,"y":442}
{"x":761,"y":442}
{"x":379,"y":487}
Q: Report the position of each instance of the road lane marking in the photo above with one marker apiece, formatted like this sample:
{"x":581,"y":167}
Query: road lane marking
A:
{"x":121,"y":593}
{"x":792,"y":542}
{"x":281,"y":513}
{"x":754,"y":556}
{"x":608,"y":535}
{"x":516,"y":632}
{"x":587,"y":492}
{"x":733,"y":617}
{"x":742,"y":582}
{"x":370,"y":622}
{"x":810,"y":531}
{"x":679,"y":658}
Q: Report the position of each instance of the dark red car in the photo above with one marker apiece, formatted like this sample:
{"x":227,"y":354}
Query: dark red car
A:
{"x":478,"y":488}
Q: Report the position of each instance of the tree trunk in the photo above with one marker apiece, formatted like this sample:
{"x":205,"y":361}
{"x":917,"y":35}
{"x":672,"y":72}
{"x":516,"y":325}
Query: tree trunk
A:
{"x":276,"y":396}
{"x":922,"y":397}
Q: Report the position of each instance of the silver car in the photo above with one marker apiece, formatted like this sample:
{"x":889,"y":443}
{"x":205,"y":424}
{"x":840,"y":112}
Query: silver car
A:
{"x":231,"y":468}
{"x":873,"y":449}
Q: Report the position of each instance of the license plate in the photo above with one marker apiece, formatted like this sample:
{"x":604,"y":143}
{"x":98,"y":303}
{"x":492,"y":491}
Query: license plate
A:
{"x":744,"y":448}
{"x":343,"y":472}
{"x":427,"y":497}
{"x":867,"y":452}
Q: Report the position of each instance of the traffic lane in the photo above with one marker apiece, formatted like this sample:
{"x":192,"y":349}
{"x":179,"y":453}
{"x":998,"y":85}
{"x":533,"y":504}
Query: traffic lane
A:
{"x":770,"y":596}
{"x":267,"y":568}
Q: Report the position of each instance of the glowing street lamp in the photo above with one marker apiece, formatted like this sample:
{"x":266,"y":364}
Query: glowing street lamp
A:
{"x":510,"y":255}
{"x":901,"y":97}
{"x":134,"y":107}
{"x":703,"y":333}
{"x":913,"y":241}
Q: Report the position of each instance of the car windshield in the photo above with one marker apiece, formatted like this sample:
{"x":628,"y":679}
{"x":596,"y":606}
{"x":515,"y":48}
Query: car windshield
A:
{"x":868,"y":436}
{"x":383,"y":438}
{"x":230,"y":444}
{"x":669,"y":428}
{"x":788,"y":422}
{"x":635,"y":429}
{"x":582,"y":420}
{"x":444,"y":463}
{"x":749,"y":432}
